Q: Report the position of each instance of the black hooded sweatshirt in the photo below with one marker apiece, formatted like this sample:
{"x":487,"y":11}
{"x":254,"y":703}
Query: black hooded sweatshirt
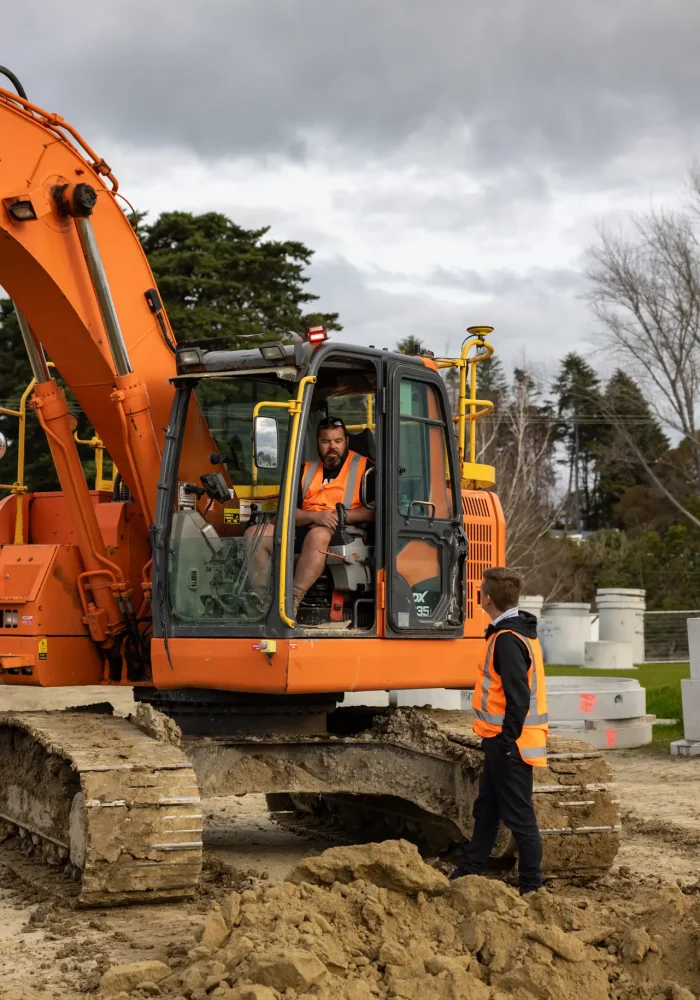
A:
{"x":511,"y":660}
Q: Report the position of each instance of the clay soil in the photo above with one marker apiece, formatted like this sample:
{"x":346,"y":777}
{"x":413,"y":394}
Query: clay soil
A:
{"x":48,"y":950}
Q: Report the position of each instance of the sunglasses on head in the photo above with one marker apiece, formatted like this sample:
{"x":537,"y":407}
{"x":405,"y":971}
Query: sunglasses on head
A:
{"x":328,"y":422}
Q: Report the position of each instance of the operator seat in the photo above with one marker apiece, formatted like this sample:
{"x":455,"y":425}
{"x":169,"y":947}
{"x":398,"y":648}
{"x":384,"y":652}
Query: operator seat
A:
{"x":363,"y":443}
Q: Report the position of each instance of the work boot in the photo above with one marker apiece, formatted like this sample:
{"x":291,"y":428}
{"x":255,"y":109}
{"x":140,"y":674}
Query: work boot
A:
{"x":299,"y":596}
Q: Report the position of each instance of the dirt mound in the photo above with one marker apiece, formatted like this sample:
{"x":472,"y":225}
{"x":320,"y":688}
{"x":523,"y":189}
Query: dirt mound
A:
{"x":395,"y":864}
{"x":416,"y":937}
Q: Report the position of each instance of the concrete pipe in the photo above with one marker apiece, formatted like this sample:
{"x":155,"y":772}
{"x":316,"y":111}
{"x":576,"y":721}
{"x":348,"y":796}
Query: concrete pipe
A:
{"x":585,"y":698}
{"x":564,"y":631}
{"x":605,"y":655}
{"x":532,"y":603}
{"x":621,"y":614}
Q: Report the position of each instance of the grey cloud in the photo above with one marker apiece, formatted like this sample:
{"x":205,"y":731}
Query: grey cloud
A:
{"x":521,"y":311}
{"x":531,"y":82}
{"x":537,"y":283}
{"x":408,"y":208}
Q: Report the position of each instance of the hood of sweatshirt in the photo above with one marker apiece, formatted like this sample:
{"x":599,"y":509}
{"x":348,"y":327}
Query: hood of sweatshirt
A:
{"x":524,"y":623}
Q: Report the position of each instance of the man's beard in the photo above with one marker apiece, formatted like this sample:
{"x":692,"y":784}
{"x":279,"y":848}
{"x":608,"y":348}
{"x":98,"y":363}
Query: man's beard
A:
{"x":333,"y":460}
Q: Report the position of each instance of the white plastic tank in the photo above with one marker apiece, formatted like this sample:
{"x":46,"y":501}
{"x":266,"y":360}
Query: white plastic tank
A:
{"x":621,"y":612}
{"x":564,"y":631}
{"x":532,"y":603}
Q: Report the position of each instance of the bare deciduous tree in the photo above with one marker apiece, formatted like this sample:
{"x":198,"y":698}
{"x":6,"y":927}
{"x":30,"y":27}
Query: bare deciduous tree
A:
{"x":645,"y":291}
{"x":519,"y":439}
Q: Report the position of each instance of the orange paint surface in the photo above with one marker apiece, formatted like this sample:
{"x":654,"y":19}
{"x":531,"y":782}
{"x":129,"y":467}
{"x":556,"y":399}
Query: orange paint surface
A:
{"x":304,"y":665}
{"x":70,"y":660}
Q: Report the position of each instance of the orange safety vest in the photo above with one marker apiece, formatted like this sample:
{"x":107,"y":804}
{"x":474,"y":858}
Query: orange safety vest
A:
{"x":345,"y":488}
{"x":489,"y":704}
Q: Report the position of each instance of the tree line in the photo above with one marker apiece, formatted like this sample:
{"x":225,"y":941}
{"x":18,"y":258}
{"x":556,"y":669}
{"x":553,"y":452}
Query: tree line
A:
{"x":612,"y":460}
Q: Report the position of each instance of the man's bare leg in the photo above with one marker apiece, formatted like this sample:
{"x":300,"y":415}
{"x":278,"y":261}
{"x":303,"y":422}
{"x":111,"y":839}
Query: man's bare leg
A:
{"x":311,"y":562}
{"x":259,"y":572}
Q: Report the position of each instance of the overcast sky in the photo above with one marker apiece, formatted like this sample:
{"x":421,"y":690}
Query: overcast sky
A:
{"x":448,"y":160}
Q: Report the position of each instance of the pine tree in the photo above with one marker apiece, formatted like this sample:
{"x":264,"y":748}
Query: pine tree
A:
{"x":491,"y":384}
{"x":410,"y":345}
{"x":221,"y":281}
{"x":15,"y":375}
{"x":584,"y":431}
{"x":635,"y":438}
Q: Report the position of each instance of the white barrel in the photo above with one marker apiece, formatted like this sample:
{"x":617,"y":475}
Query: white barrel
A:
{"x":690,"y":694}
{"x":532,"y":603}
{"x":621,"y":613}
{"x":694,"y":647}
{"x":605,"y":655}
{"x":372,"y":699}
{"x":587,"y":698}
{"x":449,"y":699}
{"x":564,"y":631}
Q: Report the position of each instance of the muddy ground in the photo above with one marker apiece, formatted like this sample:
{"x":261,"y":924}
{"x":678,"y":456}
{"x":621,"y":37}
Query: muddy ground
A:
{"x":48,"y":950}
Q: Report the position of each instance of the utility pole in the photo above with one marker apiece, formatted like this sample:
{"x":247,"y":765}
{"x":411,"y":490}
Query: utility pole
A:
{"x":576,"y":472}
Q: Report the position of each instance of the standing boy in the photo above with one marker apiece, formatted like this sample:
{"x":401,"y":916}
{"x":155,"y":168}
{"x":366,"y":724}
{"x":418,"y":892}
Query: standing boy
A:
{"x":510,"y":715}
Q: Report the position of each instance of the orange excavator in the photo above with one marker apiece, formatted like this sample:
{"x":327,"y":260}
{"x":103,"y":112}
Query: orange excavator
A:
{"x":150,"y":585}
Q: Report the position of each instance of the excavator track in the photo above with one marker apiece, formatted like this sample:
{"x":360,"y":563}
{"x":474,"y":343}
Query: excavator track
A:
{"x":93,"y":795}
{"x":415,"y":773}
{"x":118,"y":811}
{"x":574,"y":798}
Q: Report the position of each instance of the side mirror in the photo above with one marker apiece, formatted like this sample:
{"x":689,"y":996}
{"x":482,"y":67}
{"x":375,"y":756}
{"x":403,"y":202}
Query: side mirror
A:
{"x":265,"y":442}
{"x":3,"y":445}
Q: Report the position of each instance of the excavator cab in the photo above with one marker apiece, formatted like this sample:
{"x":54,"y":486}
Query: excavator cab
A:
{"x":225,"y":562}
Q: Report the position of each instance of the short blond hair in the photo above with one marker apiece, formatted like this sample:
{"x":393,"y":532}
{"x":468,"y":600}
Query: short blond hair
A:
{"x":503,"y":586}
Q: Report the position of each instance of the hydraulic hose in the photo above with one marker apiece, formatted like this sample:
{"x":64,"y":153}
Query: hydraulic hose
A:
{"x":14,"y":81}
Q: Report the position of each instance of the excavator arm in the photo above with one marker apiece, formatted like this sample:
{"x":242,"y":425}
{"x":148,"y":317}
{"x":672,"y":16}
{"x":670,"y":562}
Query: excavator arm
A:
{"x":79,"y":277}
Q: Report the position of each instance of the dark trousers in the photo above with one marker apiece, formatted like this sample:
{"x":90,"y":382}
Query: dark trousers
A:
{"x":505,"y":793}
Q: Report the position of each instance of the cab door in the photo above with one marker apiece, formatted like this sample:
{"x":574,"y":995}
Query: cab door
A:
{"x":426,"y":543}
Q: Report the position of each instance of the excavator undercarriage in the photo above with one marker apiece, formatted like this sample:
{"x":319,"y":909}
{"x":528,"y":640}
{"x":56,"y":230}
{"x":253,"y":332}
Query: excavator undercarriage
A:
{"x":118,"y":809}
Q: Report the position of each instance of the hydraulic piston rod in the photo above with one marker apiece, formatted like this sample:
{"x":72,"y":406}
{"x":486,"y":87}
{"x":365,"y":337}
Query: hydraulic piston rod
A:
{"x":35,"y":352}
{"x":98,"y":276}
{"x":130,"y":394}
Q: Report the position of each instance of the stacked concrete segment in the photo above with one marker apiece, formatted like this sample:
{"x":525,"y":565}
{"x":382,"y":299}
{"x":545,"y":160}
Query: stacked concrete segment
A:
{"x":690,"y":694}
{"x":621,"y":617}
{"x":532,"y":603}
{"x":608,"y":712}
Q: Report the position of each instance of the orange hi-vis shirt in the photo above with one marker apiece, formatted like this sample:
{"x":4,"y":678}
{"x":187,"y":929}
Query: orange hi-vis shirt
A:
{"x":345,"y":488}
{"x":489,"y":704}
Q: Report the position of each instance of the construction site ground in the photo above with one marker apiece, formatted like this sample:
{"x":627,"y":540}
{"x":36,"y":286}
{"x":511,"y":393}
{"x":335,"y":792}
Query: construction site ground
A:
{"x":50,"y":950}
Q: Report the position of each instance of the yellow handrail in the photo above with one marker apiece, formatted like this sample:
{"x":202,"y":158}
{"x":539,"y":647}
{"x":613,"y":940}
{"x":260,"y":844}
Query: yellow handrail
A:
{"x":263,"y":404}
{"x":98,"y":447}
{"x":18,"y":488}
{"x":472,"y":473}
{"x":369,"y":419}
{"x":294,"y":407}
